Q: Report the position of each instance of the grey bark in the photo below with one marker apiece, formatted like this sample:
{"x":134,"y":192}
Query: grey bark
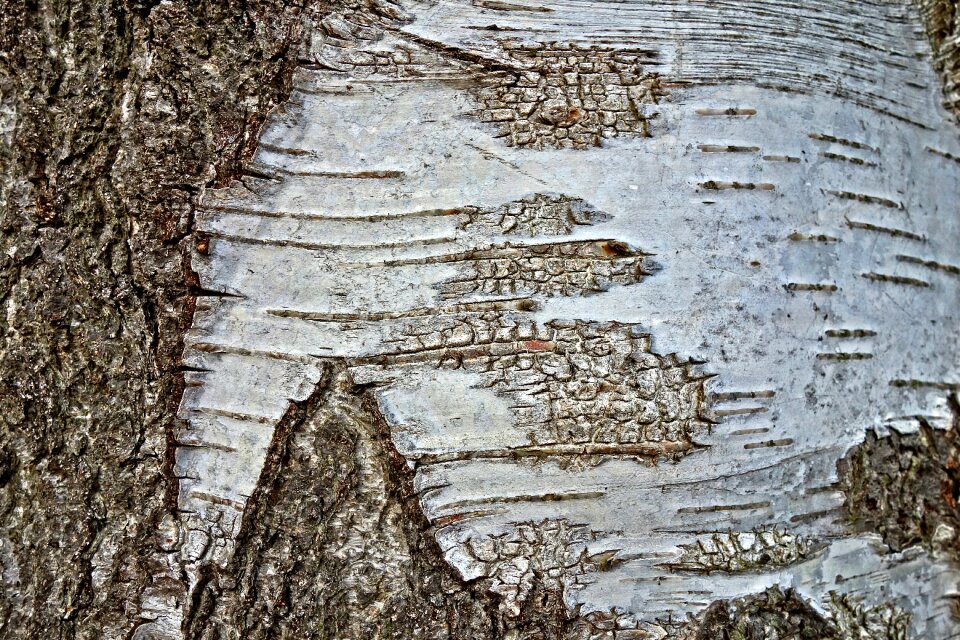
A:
{"x":116,"y":118}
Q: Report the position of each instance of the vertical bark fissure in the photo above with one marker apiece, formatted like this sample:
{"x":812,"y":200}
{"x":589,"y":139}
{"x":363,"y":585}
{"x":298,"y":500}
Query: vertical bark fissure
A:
{"x":114,"y":118}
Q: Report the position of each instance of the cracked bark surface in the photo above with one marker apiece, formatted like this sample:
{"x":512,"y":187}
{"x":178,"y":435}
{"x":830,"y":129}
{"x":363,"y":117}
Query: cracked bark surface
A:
{"x":116,"y":116}
{"x":905,"y":486}
{"x":942,"y":21}
{"x":127,"y":139}
{"x":335,"y":545}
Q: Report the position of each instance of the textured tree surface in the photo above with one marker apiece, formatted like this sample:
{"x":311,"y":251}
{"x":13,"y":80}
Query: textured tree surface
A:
{"x":480,"y":319}
{"x":116,"y":117}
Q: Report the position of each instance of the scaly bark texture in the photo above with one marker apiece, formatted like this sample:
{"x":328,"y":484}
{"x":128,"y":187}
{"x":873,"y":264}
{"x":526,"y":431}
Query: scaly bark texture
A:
{"x":334,"y":543}
{"x":520,"y":228}
{"x":539,"y":321}
{"x":776,"y":614}
{"x":942,"y":20}
{"x":906,"y":486}
{"x":115,"y":117}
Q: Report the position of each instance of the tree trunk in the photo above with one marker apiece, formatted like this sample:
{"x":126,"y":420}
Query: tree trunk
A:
{"x":477,"y":320}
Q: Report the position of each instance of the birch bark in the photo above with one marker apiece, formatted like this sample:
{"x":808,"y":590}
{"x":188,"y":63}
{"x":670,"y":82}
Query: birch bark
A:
{"x":570,"y":320}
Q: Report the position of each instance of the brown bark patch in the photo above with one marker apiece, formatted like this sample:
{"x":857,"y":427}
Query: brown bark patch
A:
{"x":905,"y":487}
{"x":114,"y":116}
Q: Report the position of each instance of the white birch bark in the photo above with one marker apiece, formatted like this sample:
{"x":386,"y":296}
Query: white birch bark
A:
{"x":628,"y":277}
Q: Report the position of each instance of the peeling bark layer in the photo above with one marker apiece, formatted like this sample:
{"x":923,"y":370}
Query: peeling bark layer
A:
{"x":577,"y":391}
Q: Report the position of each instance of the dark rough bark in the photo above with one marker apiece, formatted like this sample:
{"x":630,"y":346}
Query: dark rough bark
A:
{"x":335,"y":545}
{"x":942,"y":20}
{"x":906,"y":487}
{"x":115,"y":116}
{"x":779,"y":614}
{"x":773,"y":614}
